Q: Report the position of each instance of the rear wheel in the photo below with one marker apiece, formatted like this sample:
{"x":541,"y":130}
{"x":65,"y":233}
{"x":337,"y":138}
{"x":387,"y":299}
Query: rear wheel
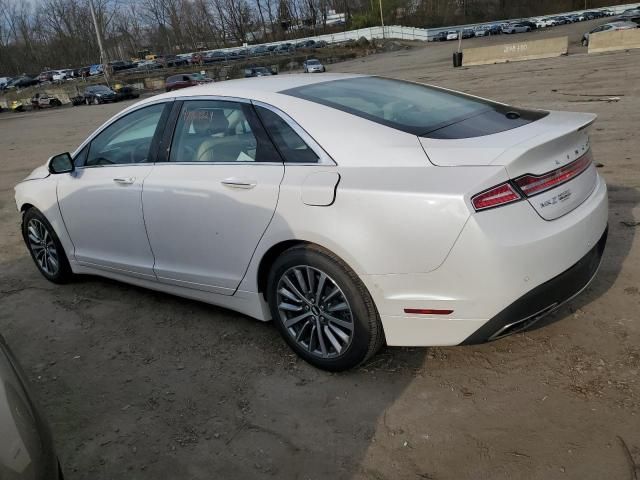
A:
{"x":45,"y":247}
{"x":322,"y":309}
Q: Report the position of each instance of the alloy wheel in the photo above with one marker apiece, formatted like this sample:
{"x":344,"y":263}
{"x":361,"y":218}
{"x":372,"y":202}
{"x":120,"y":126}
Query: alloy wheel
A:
{"x":43,"y":247}
{"x":315,"y":311}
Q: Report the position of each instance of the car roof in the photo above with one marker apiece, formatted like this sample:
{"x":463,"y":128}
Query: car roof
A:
{"x":255,"y":87}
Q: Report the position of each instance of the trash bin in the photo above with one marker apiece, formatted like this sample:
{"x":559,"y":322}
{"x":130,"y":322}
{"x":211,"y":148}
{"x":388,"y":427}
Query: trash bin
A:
{"x":457,"y":59}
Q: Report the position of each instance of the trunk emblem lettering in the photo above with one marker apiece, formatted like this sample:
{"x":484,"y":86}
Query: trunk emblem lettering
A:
{"x":561,"y":197}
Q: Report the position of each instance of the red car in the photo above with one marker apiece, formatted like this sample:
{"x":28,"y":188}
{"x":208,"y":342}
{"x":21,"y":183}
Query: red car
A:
{"x":176,"y":82}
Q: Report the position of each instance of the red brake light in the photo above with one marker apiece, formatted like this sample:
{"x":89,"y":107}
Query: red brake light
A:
{"x":534,"y":184}
{"x":495,"y":197}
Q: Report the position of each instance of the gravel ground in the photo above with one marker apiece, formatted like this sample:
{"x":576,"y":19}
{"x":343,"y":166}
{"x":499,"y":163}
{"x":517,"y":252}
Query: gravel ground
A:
{"x":142,"y":385}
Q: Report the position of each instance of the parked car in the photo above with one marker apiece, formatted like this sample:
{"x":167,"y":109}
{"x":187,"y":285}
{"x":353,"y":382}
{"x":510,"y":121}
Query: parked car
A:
{"x":148,"y":65}
{"x":176,"y":82}
{"x":44,"y":100}
{"x":169,"y":61}
{"x":27,"y":451}
{"x":259,"y":51}
{"x":628,"y":14}
{"x":305,"y":44}
{"x":313,"y":66}
{"x":440,"y":37}
{"x":381,"y":162}
{"x":257,"y":72}
{"x":481,"y":31}
{"x":97,"y":94}
{"x":607,"y":27}
{"x":4,"y":81}
{"x":468,"y":33}
{"x":46,"y":76}
{"x":21,"y":82}
{"x":62,"y":75}
{"x":119,"y":65}
{"x":216,"y":56}
{"x":516,"y":28}
{"x":96,"y":70}
{"x":284,"y":48}
{"x":126,"y":92}
{"x":531,"y":25}
{"x":452,"y":35}
{"x":320,"y":44}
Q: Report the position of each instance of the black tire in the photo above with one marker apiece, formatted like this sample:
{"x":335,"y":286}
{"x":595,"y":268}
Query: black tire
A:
{"x":63,"y":273}
{"x":86,"y":101}
{"x":367,"y":337}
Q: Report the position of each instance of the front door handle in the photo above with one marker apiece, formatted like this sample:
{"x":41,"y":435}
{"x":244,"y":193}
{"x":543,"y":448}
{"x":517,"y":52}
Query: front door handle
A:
{"x":125,"y":181}
{"x":234,"y":182}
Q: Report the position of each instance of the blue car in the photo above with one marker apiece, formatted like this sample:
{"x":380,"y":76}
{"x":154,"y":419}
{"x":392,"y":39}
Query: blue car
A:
{"x":95,"y":69}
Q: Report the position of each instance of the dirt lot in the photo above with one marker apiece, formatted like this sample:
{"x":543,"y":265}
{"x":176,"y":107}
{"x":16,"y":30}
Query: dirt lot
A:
{"x":142,"y":385}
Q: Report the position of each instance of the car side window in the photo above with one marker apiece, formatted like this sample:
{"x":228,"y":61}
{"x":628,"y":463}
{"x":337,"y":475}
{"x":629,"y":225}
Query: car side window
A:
{"x":127,"y":140}
{"x":290,"y":145}
{"x":220,"y":132}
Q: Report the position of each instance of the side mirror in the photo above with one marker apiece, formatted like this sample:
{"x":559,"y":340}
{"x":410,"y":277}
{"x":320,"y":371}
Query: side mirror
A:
{"x":62,"y":163}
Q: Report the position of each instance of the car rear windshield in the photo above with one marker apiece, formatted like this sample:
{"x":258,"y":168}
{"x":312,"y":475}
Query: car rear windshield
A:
{"x":415,"y":108}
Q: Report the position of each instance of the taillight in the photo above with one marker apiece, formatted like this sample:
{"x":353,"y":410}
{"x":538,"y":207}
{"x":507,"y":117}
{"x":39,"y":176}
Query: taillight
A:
{"x":529,"y":185}
{"x":495,"y":197}
{"x":532,"y":185}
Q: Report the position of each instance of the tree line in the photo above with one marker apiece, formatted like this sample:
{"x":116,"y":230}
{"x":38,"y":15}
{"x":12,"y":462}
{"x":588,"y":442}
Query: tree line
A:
{"x":60,"y":33}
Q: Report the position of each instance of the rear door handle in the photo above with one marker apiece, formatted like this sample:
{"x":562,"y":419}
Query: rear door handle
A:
{"x":125,"y":181}
{"x":234,"y":182}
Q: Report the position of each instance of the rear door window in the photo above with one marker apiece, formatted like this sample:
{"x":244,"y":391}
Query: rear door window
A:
{"x":215,"y":131}
{"x":290,"y":145}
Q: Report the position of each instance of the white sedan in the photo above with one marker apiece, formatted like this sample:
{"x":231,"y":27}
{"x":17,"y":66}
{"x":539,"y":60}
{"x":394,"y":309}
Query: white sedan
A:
{"x":516,"y":28}
{"x":351,"y":210}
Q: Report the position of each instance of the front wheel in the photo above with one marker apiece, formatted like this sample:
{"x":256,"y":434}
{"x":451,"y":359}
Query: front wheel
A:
{"x":322,"y":309}
{"x":96,"y":101}
{"x":45,"y":247}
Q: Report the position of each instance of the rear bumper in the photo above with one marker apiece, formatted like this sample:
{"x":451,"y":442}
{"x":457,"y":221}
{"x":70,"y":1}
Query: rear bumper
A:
{"x":542,"y":300}
{"x":495,"y":274}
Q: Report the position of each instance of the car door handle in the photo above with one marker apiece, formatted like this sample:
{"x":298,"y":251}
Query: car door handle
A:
{"x":125,"y":181}
{"x":238,"y":183}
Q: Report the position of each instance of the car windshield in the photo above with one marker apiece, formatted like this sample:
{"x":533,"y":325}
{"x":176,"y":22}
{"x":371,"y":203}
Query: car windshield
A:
{"x":197,"y":76}
{"x":410,"y":107}
{"x":260,"y":70}
{"x":313,"y":62}
{"x":100,"y":89}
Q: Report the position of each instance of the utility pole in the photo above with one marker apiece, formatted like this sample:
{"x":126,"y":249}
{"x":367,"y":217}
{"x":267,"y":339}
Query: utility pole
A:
{"x":381,"y":17}
{"x":103,"y":58}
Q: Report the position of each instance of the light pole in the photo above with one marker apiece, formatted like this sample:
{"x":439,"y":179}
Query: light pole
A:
{"x":381,"y":17}
{"x":99,"y":37}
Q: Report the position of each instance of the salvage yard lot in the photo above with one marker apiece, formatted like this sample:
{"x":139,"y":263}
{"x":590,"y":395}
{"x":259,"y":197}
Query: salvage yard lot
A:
{"x":138,"y":384}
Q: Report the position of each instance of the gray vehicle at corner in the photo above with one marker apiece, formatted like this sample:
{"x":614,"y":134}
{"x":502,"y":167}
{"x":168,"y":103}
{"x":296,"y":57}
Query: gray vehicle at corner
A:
{"x":26,"y":445}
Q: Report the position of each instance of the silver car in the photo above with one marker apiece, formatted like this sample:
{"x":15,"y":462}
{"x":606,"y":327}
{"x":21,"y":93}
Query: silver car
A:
{"x":313,"y":66}
{"x":608,"y":27}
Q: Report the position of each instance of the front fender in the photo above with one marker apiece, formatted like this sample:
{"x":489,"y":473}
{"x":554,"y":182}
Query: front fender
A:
{"x":41,"y":194}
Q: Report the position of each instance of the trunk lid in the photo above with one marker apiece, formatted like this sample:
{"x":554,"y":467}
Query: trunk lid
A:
{"x":550,"y":148}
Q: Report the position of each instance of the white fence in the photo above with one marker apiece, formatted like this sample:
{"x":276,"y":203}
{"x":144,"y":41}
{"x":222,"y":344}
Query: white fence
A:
{"x":410,"y":33}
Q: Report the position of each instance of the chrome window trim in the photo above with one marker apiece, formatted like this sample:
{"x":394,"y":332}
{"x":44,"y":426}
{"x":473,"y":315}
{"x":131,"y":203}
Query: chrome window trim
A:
{"x":323,"y":157}
{"x":111,"y":121}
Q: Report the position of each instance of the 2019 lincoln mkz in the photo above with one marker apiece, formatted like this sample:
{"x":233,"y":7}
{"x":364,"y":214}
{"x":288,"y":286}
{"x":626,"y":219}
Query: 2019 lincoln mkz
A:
{"x":352,"y":210}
